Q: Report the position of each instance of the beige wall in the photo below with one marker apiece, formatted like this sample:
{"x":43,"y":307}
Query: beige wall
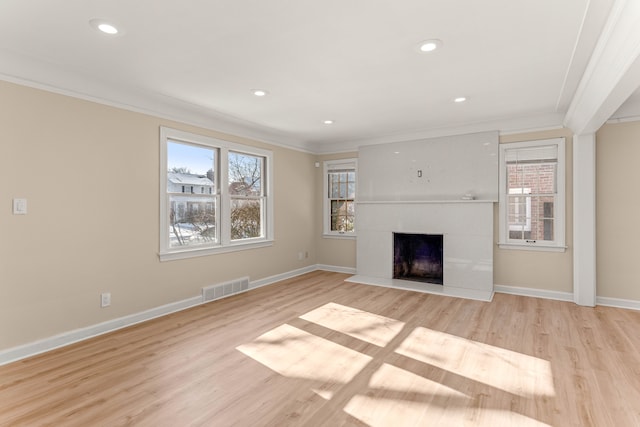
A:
{"x":332,"y":251}
{"x":552,"y":271}
{"x":617,"y":207}
{"x":91,"y":176}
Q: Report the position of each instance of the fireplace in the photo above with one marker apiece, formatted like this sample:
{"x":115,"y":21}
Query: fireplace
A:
{"x":466,"y":227}
{"x":418,"y":257}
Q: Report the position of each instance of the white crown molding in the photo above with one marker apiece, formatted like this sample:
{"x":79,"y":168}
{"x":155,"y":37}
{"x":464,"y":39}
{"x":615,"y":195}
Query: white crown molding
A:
{"x":613,"y":73}
{"x":624,"y":119}
{"x":26,"y":71}
{"x":504,"y":126}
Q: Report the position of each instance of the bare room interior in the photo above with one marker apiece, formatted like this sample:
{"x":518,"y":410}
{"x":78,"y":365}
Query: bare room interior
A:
{"x":294,"y":213}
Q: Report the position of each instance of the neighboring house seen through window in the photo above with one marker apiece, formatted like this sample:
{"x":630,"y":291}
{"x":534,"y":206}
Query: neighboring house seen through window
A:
{"x":198,"y":215}
{"x":532,"y":196}
{"x":340,"y":197}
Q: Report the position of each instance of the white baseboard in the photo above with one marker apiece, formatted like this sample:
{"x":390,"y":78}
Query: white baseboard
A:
{"x":619,"y":303}
{"x":47,"y":344}
{"x":336,"y":268}
{"x":278,"y":277}
{"x":565,"y":296}
{"x":290,"y":274}
{"x":66,"y":338}
{"x":536,"y":293}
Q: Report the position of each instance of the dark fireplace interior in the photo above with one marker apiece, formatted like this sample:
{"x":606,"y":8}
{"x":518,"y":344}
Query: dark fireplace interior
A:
{"x":418,"y":257}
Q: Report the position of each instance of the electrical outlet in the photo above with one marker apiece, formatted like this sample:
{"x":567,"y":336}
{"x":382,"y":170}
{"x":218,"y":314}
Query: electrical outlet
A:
{"x":300,"y":256}
{"x":105,"y":299}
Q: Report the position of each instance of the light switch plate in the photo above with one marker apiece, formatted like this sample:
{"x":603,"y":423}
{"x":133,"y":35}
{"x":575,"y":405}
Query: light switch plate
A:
{"x":19,"y":206}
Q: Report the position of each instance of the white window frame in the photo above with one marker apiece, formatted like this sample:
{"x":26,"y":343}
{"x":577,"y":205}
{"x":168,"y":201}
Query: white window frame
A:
{"x":223,"y":211}
{"x":557,"y":245}
{"x":329,"y":166}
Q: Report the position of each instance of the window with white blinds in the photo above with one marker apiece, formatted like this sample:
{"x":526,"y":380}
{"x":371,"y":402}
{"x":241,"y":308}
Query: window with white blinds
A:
{"x":532,"y":194}
{"x":339,"y":215}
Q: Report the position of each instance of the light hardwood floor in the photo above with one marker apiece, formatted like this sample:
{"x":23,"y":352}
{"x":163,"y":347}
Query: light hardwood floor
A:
{"x":317,"y":351}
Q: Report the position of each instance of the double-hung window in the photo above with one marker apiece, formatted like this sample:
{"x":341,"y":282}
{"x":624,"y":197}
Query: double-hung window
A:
{"x":247,"y":197}
{"x":532,"y":195}
{"x":215,"y":196}
{"x":340,"y":197}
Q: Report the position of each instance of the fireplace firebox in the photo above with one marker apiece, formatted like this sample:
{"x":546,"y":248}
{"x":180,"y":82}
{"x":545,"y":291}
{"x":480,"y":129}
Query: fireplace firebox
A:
{"x":418,"y":257}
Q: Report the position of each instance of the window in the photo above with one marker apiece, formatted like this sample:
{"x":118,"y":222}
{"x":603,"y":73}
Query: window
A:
{"x":247,"y":196}
{"x":199,"y":215}
{"x":532,"y":192}
{"x":340,"y":194}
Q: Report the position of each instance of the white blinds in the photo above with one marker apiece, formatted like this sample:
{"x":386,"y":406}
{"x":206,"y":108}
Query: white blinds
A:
{"x":548,"y":153}
{"x":341,"y":167}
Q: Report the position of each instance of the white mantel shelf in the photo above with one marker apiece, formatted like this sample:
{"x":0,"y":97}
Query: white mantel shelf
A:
{"x":419,"y":202}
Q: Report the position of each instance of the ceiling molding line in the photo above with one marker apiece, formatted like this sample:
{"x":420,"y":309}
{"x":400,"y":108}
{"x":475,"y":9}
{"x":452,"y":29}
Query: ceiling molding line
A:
{"x":613,"y":73}
{"x":524,"y":124}
{"x":623,"y":119}
{"x":204,"y":119}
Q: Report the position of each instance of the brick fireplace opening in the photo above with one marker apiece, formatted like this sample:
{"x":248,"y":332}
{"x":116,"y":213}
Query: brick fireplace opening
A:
{"x":418,"y":257}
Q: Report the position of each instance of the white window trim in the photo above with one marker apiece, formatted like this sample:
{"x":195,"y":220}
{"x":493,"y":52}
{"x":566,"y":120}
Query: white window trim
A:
{"x":225,"y":244}
{"x":559,"y":207}
{"x":326,"y":216}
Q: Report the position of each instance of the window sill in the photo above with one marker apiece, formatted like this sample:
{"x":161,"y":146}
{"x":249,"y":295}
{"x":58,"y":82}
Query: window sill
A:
{"x":535,"y":248}
{"x":198,"y":252}
{"x":345,"y":236}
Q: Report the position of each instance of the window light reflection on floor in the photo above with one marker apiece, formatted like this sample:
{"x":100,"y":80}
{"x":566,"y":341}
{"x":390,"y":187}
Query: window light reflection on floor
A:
{"x":441,"y":378}
{"x":497,"y":367}
{"x":295,"y":353}
{"x":365,"y":326}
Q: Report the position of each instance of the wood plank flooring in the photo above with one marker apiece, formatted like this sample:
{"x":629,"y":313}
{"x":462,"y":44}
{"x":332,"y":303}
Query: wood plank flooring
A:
{"x":318,"y":351}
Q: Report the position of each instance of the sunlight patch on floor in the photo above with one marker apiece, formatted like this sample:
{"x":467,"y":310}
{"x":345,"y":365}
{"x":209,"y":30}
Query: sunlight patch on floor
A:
{"x":391,"y":380}
{"x":365,"y":326}
{"x":503,"y":369}
{"x":445,"y":380}
{"x":396,"y":394}
{"x":385,"y":412}
{"x":295,"y":353}
{"x":325,"y":394}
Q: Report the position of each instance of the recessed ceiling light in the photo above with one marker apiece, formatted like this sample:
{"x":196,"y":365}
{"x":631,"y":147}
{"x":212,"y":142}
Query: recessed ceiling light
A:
{"x":259,"y":92}
{"x":429,"y":45}
{"x":108,"y":28}
{"x":328,"y":122}
{"x":104,"y":26}
{"x":460,"y":99}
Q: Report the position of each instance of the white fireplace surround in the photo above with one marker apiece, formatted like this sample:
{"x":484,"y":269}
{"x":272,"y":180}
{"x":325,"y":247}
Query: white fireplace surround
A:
{"x":467,"y":229}
{"x":445,"y":185}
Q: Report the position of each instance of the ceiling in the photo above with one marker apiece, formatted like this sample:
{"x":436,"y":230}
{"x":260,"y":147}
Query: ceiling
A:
{"x":355,"y":62}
